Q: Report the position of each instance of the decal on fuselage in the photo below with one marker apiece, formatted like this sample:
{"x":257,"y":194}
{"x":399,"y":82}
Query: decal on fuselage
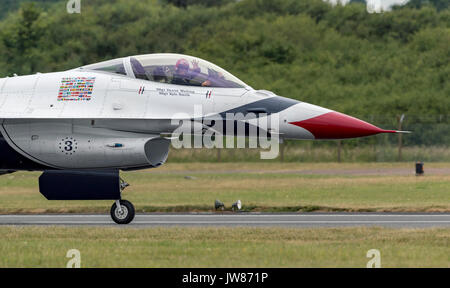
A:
{"x":141,"y":90}
{"x":76,"y":88}
{"x":68,"y":145}
{"x":175,"y":92}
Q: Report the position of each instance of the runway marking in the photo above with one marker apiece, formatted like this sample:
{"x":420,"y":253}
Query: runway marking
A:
{"x":257,"y":220}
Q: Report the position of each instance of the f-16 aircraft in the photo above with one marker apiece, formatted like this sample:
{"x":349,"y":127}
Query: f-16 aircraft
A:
{"x":83,"y":126}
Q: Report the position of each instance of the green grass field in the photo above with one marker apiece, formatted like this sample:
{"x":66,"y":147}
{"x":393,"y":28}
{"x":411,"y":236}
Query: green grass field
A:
{"x":223,"y":247}
{"x":264,"y":186}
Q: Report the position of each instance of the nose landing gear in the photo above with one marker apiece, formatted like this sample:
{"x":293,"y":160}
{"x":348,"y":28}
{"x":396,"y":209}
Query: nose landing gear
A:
{"x":122,"y":211}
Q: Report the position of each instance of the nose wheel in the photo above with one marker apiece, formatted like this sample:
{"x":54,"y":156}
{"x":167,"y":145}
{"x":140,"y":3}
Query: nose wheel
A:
{"x":122,"y":212}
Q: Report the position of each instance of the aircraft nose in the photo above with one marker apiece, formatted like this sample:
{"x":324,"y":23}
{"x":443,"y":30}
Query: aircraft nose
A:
{"x":335,"y":125}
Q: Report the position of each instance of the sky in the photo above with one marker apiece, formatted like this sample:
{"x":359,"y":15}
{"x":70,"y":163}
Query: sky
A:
{"x":375,"y":5}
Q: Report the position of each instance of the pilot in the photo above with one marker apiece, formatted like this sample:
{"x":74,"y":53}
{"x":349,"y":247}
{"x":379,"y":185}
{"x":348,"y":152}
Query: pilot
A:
{"x":184,"y":74}
{"x":159,"y":75}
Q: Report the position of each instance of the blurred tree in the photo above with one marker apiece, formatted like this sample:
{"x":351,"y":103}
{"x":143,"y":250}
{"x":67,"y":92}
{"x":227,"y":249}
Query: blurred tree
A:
{"x":208,"y":3}
{"x":358,"y":1}
{"x":21,"y":39}
{"x":7,"y":6}
{"x":438,"y":4}
{"x":178,"y":3}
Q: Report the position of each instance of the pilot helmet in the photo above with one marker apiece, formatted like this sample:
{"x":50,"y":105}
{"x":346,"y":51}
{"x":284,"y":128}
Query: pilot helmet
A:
{"x":182,"y":64}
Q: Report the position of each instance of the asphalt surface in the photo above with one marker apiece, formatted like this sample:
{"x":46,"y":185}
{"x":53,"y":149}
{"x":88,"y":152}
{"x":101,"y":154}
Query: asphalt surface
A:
{"x":396,"y":220}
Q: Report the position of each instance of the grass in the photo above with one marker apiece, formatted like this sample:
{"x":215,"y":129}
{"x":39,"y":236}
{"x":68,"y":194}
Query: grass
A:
{"x":264,"y":186}
{"x":223,"y":247}
{"x":260,"y":186}
{"x":308,"y":151}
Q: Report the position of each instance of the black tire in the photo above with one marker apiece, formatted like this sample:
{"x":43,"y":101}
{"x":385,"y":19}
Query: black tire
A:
{"x":127,"y":212}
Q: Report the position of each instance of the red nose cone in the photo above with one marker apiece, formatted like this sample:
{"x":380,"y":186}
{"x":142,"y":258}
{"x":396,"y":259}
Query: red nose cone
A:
{"x":335,"y":125}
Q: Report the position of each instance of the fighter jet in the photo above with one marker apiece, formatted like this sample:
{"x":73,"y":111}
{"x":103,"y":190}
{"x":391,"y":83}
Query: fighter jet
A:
{"x":83,"y":126}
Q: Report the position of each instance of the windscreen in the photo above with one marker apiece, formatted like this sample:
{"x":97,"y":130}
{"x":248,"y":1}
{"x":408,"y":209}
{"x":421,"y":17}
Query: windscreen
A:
{"x":112,"y":66}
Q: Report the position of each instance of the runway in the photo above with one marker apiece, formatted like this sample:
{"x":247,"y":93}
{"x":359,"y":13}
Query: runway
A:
{"x":305,"y":220}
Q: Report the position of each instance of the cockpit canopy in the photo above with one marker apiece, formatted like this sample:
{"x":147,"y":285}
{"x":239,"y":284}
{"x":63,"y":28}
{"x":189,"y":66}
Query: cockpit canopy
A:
{"x":171,"y":69}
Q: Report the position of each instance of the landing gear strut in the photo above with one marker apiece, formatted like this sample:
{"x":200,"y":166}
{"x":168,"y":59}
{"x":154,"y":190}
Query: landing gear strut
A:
{"x":122,"y":211}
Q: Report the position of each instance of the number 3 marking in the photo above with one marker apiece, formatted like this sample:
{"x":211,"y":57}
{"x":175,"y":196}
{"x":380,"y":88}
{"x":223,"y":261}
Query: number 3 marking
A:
{"x":68,"y":146}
